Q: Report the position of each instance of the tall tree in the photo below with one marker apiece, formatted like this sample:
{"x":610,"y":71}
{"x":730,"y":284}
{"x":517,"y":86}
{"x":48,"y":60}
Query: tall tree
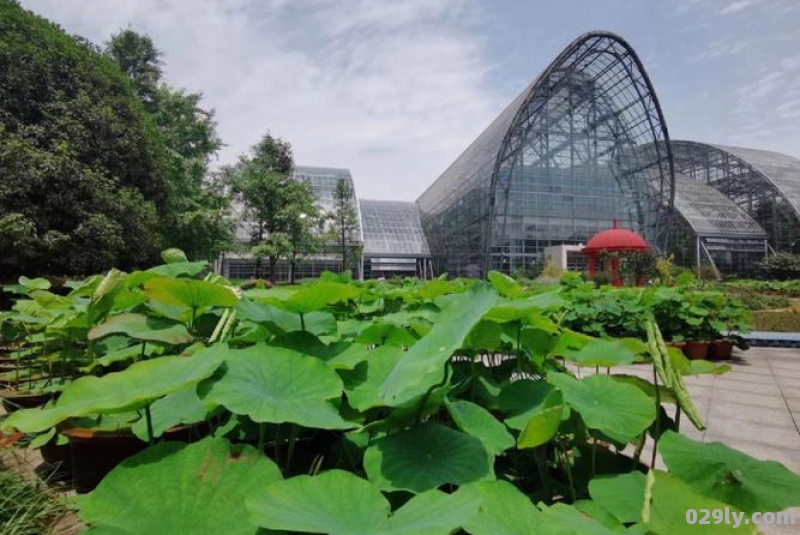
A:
{"x":344,"y":220}
{"x":272,"y":202}
{"x":81,"y":163}
{"x":138,"y":58}
{"x":196,"y":217}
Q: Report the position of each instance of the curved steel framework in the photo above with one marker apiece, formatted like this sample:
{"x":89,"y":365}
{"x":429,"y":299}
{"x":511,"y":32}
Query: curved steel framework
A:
{"x":585,"y":143}
{"x":712,"y":230}
{"x":765,"y":184}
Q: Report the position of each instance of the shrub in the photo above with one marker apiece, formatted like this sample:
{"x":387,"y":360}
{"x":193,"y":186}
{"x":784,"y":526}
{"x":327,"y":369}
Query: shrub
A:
{"x":783,"y":266}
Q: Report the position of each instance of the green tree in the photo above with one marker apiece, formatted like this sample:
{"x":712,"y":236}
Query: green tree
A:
{"x":273,"y":202}
{"x":196,"y":217}
{"x":140,"y":60}
{"x":82,"y":164}
{"x":344,"y":222}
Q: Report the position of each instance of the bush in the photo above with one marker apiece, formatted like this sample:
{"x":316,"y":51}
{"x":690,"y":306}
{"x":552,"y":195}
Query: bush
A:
{"x":783,"y":266}
{"x":80,"y":162}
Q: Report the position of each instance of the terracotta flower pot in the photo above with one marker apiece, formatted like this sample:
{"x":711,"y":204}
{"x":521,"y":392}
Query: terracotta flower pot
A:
{"x":14,"y":400}
{"x":94,"y":453}
{"x":696,"y":350}
{"x":720,"y":350}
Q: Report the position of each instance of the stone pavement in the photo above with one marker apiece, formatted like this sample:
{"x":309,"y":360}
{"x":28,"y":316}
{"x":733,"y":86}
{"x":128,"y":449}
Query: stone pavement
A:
{"x":754,"y":408}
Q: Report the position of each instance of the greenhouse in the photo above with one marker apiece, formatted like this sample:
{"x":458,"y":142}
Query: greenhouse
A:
{"x":765,"y":184}
{"x":712,"y":230}
{"x":583,"y":144}
{"x":394,"y":243}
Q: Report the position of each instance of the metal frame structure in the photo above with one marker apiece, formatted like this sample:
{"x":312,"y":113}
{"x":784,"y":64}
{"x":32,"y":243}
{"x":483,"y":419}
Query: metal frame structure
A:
{"x":394,"y":242}
{"x":764,"y":184}
{"x":583,"y":144}
{"x":712,"y":230}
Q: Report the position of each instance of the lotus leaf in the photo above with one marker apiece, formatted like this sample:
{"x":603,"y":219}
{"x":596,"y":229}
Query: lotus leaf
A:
{"x":327,"y":503}
{"x":189,"y":293}
{"x":722,"y":473}
{"x":541,"y":427}
{"x":478,"y":422}
{"x":141,"y":327}
{"x":505,"y":285}
{"x":423,"y":365}
{"x":621,"y":411}
{"x":603,"y":353}
{"x":622,"y":495}
{"x":193,"y":489}
{"x":667,"y":499}
{"x":504,"y":510}
{"x":276,"y":385}
{"x":140,"y":384}
{"x":426,"y":458}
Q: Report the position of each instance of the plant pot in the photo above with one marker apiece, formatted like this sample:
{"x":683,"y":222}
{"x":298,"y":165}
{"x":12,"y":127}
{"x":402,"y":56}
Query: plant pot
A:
{"x":94,"y":453}
{"x":188,"y":433}
{"x":677,"y":345}
{"x":720,"y":350}
{"x":59,"y":460}
{"x":696,"y":350}
{"x":14,"y":400}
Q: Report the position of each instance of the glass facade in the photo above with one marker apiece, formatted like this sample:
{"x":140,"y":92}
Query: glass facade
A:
{"x":713,"y":230}
{"x":323,"y":181}
{"x":764,"y":184}
{"x":584,"y":144}
{"x":394,"y":243}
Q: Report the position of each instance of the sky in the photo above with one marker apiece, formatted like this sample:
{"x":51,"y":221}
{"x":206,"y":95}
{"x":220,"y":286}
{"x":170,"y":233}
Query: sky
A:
{"x":395,"y":90}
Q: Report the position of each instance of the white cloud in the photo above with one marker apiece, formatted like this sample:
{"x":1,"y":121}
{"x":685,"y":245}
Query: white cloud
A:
{"x":392,"y":90}
{"x":739,"y":5}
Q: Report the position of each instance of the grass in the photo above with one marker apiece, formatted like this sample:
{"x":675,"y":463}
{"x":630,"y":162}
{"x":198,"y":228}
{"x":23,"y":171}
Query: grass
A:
{"x":26,"y":508}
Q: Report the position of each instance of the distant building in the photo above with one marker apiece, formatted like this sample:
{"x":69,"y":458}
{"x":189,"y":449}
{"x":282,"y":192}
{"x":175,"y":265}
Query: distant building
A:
{"x":586,"y":143}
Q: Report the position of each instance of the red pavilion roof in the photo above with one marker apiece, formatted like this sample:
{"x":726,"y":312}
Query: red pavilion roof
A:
{"x":615,"y":240}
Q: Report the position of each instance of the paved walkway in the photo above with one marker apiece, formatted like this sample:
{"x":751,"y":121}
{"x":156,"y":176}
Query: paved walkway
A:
{"x":754,"y":408}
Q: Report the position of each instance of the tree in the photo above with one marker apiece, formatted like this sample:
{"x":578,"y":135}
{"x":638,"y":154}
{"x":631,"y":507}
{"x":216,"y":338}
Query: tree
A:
{"x":344,"y":220}
{"x":140,"y":60}
{"x":82,"y":164}
{"x":273,"y":203}
{"x":196,"y":218}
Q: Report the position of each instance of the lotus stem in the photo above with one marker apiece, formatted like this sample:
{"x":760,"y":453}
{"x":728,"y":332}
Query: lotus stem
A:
{"x":293,"y":430}
{"x":149,"y":419}
{"x":541,"y":464}
{"x":657,"y":433}
{"x":262,"y":431}
{"x":568,"y":469}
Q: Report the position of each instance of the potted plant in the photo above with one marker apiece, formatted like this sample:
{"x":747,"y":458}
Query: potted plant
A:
{"x":730,"y":321}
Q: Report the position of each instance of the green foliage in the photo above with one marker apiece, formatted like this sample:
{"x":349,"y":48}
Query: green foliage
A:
{"x":174,"y":488}
{"x":397,"y":407}
{"x":282,"y":211}
{"x":783,"y":266}
{"x":81,"y":163}
{"x":344,"y":223}
{"x":26,"y":508}
{"x":196,"y":212}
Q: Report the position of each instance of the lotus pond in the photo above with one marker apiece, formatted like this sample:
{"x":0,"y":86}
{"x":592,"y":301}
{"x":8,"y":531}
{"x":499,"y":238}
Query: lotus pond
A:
{"x":401,"y":407}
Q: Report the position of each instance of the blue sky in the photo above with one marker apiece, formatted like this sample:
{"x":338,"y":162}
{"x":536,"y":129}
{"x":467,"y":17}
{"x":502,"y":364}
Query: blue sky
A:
{"x":394,"y":90}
